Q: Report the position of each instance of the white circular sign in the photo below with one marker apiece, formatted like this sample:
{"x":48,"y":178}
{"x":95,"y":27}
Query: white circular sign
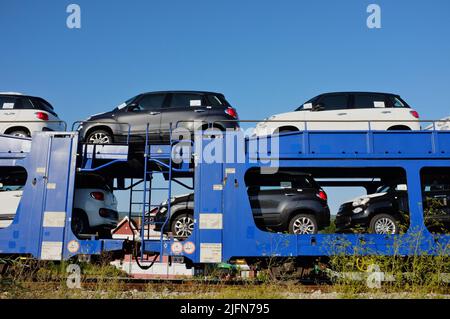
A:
{"x":73,"y":246}
{"x":189,"y":247}
{"x":176,"y":248}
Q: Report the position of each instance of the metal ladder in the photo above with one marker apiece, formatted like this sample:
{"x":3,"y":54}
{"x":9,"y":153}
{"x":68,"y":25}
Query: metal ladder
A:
{"x":164,"y":162}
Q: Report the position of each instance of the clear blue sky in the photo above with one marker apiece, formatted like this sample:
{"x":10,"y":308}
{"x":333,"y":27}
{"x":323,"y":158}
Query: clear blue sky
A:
{"x":266,"y":56}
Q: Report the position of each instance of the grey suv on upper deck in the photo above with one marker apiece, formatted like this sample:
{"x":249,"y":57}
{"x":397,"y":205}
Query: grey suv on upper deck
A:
{"x":159,"y":110}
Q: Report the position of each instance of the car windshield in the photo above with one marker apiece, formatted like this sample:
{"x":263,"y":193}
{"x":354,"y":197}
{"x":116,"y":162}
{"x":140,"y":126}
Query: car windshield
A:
{"x":301,"y":107}
{"x":124,"y":104}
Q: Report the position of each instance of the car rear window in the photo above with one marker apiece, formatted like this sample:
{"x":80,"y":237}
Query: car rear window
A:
{"x":91,"y":181}
{"x":217,"y":100}
{"x":397,"y":101}
{"x":43,"y":105}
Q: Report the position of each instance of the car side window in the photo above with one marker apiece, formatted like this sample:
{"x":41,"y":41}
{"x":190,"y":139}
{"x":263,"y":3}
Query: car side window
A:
{"x":150,"y":102}
{"x":8,"y":103}
{"x":331,"y":102}
{"x":369,"y":101}
{"x":186,"y":100}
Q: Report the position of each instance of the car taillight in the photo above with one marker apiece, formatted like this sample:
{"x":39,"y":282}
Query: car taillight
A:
{"x":98,"y":195}
{"x":414,"y":114}
{"x":231,"y":112}
{"x":42,"y":116}
{"x":322,"y":195}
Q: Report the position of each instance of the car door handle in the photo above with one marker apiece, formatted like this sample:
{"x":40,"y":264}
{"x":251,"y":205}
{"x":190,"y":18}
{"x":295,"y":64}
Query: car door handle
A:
{"x":199,"y":111}
{"x":289,"y":194}
{"x":340,"y":114}
{"x":386,"y":112}
{"x":154,"y":113}
{"x":11,"y":113}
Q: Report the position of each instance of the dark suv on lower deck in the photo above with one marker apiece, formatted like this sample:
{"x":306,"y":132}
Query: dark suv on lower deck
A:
{"x":159,"y":111}
{"x":387,"y":210}
{"x":283,"y":202}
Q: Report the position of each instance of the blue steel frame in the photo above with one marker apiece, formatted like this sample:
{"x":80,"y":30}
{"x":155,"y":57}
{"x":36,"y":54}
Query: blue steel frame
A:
{"x":220,"y":190}
{"x":224,"y":224}
{"x":42,"y":224}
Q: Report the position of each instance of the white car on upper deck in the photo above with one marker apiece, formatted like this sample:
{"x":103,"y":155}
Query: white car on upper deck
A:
{"x":21,"y":115}
{"x":345,"y":111}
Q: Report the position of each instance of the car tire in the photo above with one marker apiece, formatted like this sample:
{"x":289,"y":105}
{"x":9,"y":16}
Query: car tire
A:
{"x":384,"y":224}
{"x":99,"y":137}
{"x":80,"y":223}
{"x":19,"y":133}
{"x":303,"y":224}
{"x":182,"y":225}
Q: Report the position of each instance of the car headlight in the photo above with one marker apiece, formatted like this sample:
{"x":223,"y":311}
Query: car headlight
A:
{"x":361,"y":202}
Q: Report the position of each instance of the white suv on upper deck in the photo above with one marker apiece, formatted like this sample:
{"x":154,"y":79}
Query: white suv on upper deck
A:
{"x":21,"y":115}
{"x":345,"y":111}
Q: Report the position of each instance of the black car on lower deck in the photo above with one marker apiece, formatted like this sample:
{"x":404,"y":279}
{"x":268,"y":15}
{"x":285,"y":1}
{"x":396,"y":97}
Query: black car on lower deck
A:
{"x":159,"y":111}
{"x":284,"y":202}
{"x":387,"y":211}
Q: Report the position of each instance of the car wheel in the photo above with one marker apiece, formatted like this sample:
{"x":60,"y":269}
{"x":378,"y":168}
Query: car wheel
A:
{"x":19,"y":133}
{"x":80,"y":223}
{"x":183,"y":225}
{"x":383,"y":224}
{"x":303,"y":224}
{"x":99,"y":137}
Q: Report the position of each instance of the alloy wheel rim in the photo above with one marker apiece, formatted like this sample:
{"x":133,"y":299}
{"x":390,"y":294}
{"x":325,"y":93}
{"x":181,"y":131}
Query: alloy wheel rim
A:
{"x":184,"y":227}
{"x":385,"y":226}
{"x":303,"y":225}
{"x":99,"y":138}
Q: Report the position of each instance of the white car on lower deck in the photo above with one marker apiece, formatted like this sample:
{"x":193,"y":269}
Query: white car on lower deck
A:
{"x":21,"y":115}
{"x":94,"y":204}
{"x":345,"y":111}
